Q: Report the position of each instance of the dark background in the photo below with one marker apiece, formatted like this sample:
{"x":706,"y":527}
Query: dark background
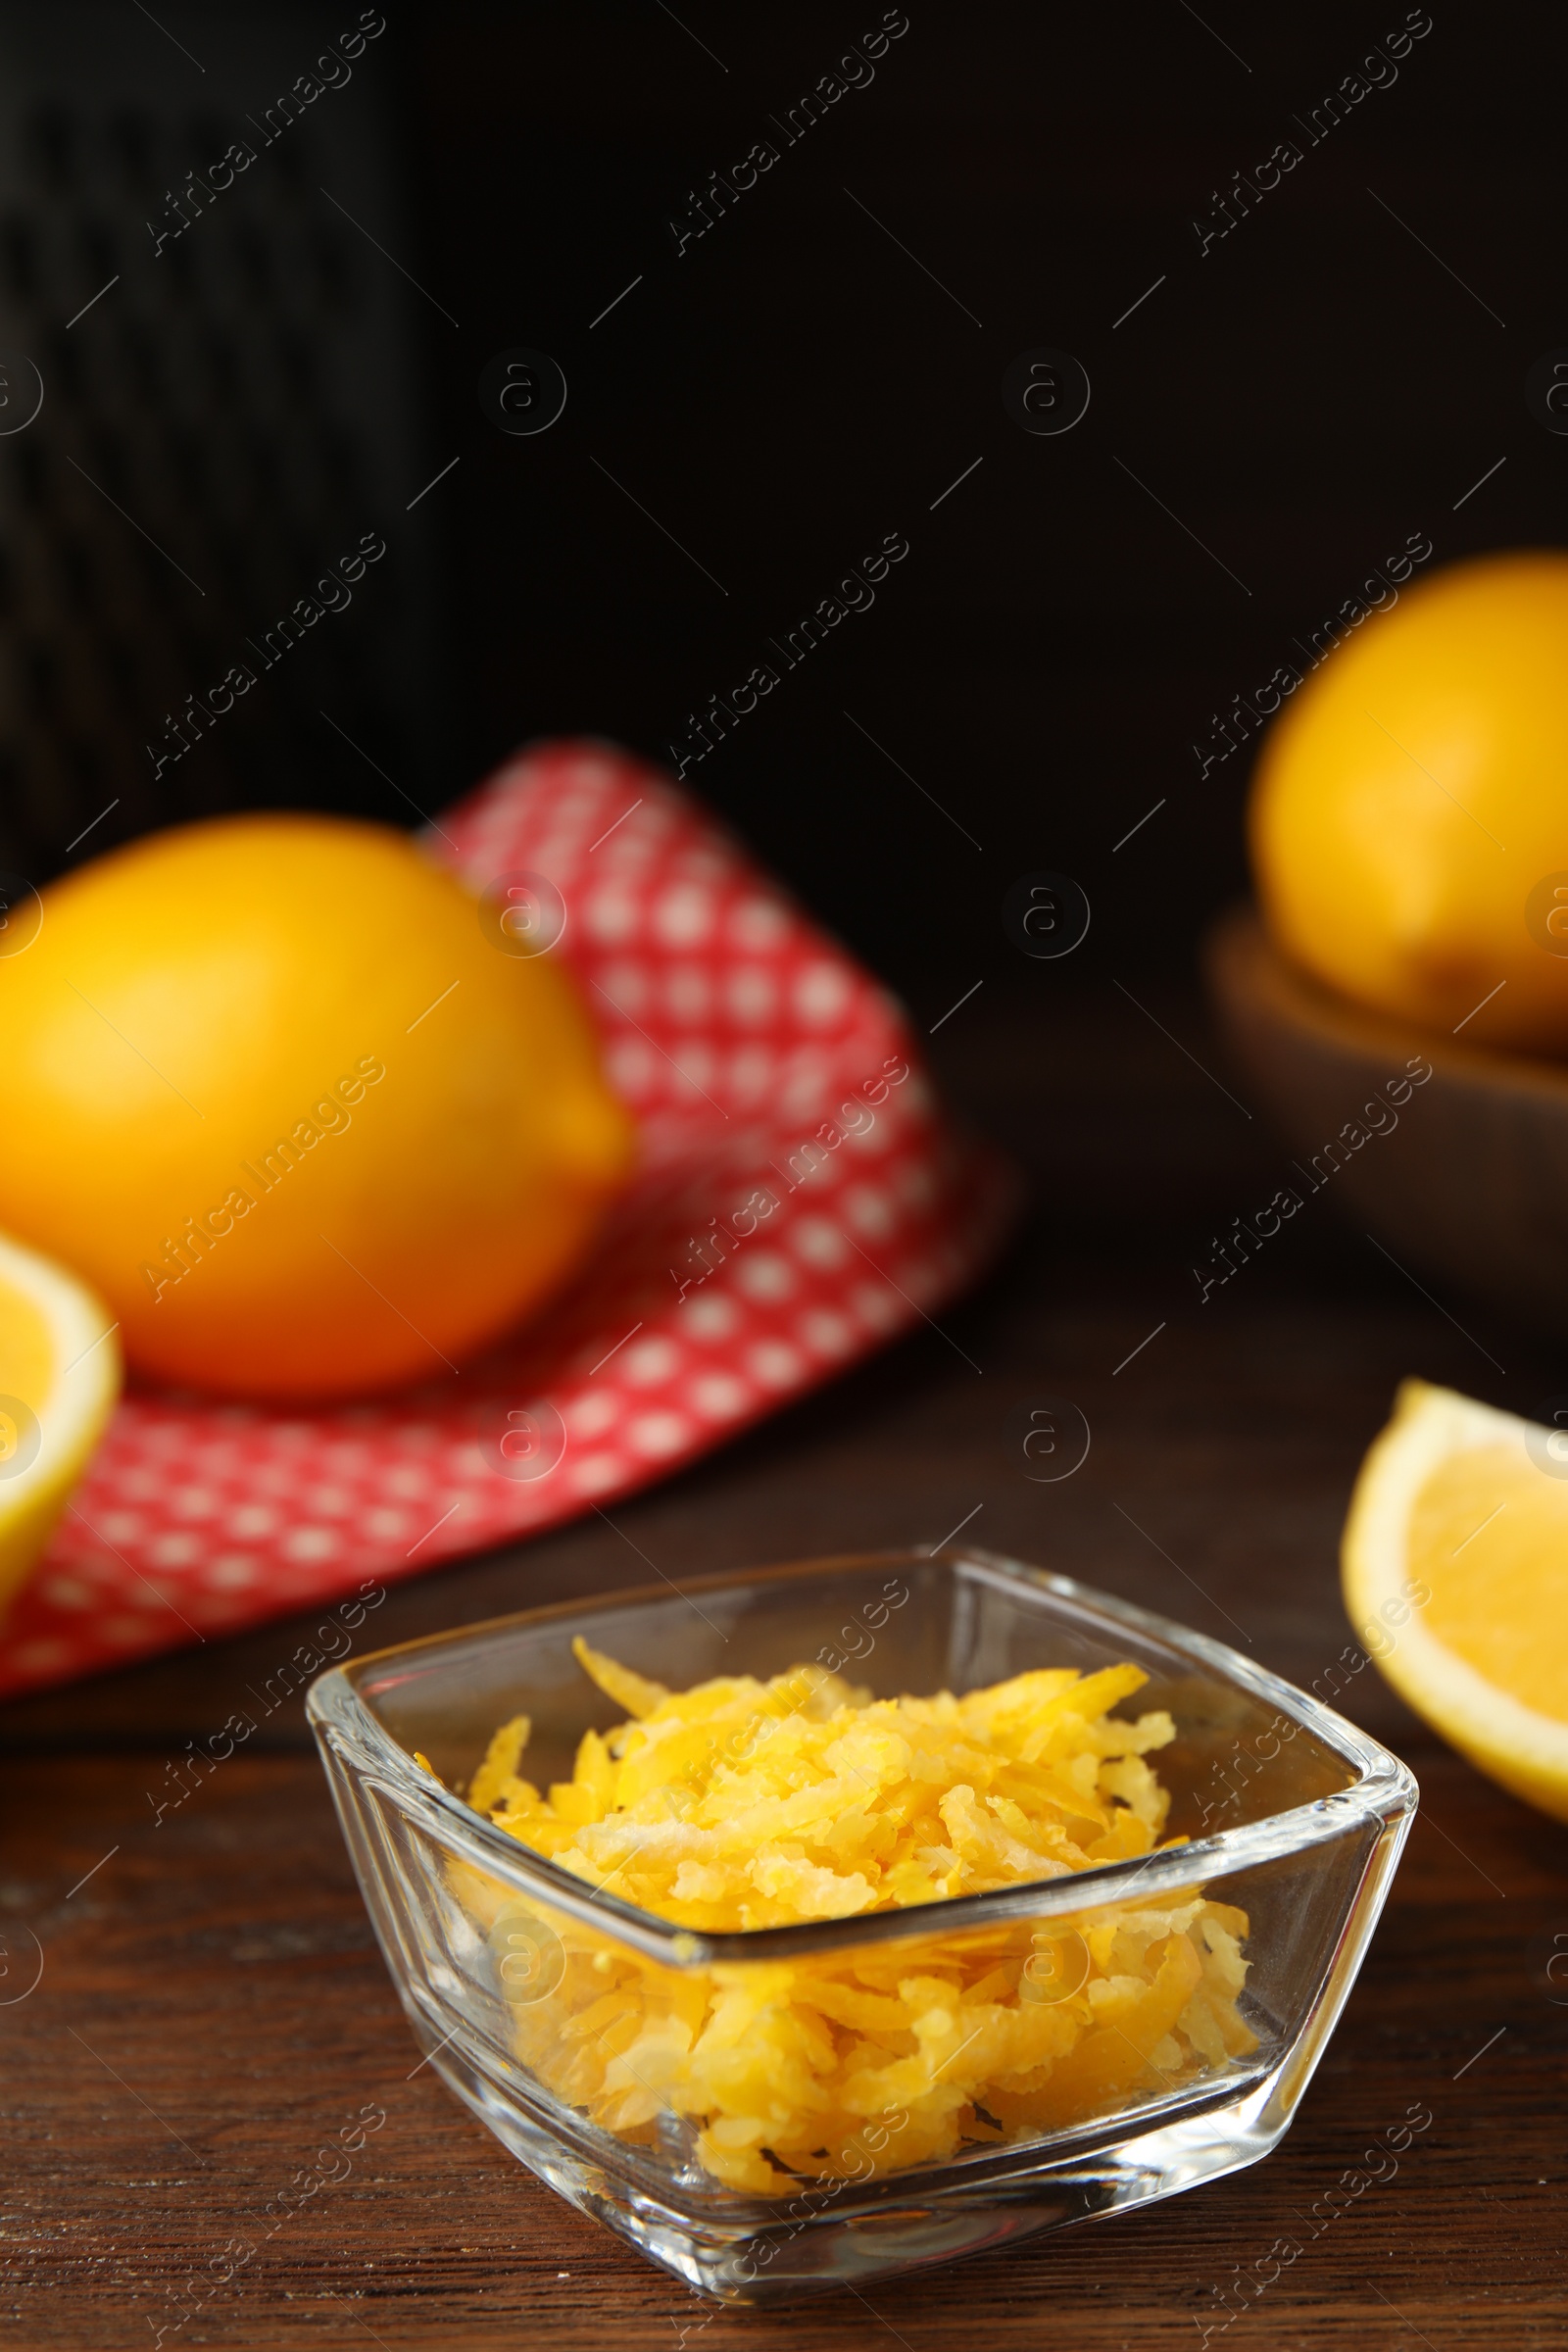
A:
{"x":1304,"y":396}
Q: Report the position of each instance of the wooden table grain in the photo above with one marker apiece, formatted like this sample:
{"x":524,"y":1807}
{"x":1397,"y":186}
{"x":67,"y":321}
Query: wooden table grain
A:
{"x":212,"y":2006}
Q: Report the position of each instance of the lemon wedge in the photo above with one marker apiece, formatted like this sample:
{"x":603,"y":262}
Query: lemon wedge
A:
{"x":59,"y":1379}
{"x":1455,"y":1575}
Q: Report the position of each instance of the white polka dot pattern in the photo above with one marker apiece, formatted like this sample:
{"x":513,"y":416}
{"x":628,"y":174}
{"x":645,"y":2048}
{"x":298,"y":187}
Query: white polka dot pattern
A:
{"x":799,"y":1200}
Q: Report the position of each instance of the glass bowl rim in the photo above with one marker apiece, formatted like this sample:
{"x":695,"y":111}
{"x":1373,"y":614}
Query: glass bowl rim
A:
{"x":1382,"y":1787}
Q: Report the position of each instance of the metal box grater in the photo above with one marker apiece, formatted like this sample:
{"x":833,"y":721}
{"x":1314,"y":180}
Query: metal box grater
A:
{"x":224,"y":414}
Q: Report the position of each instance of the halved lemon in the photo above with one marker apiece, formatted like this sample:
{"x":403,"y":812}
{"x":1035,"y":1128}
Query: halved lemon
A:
{"x":1455,"y":1575}
{"x":59,"y":1379}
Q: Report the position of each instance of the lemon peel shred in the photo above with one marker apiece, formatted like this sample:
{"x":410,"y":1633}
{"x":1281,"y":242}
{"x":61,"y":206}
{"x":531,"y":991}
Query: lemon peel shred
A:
{"x":744,"y":1804}
{"x":630,"y":1690}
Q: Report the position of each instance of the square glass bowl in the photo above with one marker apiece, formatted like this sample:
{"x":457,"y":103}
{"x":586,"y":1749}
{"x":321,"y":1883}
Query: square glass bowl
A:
{"x":1100,"y":2076}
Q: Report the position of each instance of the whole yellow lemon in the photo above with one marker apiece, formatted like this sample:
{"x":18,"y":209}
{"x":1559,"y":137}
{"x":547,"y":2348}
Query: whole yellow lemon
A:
{"x":1410,"y":812}
{"x":273,"y":1091}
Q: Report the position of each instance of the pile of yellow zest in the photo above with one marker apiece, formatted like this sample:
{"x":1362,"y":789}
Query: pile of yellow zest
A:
{"x":743,"y":1804}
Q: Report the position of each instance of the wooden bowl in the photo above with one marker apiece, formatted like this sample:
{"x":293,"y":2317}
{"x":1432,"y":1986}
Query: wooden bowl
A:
{"x":1462,"y":1174}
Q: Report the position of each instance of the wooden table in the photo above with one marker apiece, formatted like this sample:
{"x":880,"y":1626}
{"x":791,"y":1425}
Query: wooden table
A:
{"x":212,"y":2003}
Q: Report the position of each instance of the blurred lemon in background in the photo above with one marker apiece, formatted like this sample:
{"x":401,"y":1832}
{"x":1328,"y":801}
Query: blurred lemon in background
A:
{"x":1410,"y":812}
{"x":273,"y":1090}
{"x":59,"y":1377}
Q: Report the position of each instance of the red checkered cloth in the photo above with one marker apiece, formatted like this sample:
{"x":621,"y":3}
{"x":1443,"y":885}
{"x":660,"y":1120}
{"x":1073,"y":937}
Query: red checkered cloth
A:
{"x":801,"y":1198}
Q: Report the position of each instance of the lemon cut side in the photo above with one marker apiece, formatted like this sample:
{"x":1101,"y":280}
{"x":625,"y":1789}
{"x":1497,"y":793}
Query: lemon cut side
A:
{"x":1455,"y":1575}
{"x":59,"y":1379}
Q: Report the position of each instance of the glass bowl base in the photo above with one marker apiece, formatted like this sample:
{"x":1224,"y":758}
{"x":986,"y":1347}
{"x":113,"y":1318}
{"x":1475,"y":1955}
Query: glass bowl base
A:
{"x":833,"y":2236}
